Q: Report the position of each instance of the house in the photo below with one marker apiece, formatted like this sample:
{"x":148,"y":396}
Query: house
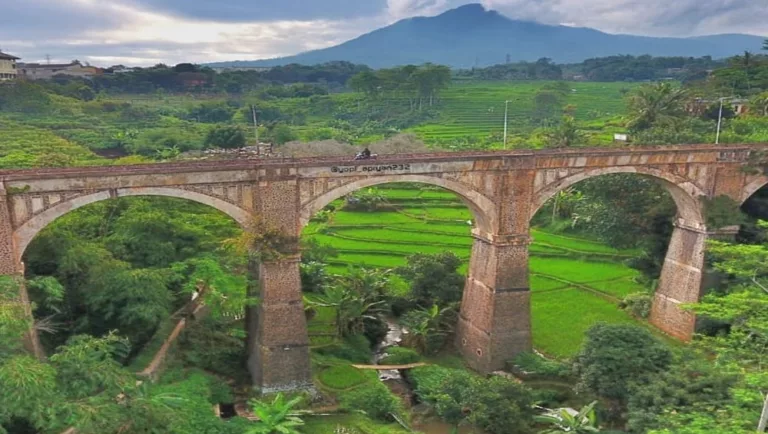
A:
{"x":220,"y":69}
{"x":698,"y":106}
{"x":37,"y":71}
{"x":193,"y":79}
{"x":8,"y":69}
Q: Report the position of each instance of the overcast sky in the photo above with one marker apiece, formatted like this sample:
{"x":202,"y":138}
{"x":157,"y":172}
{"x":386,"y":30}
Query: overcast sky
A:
{"x":146,"y":32}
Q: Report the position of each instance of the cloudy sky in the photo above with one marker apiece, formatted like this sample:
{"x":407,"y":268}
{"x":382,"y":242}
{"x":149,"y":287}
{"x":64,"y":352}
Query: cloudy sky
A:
{"x":146,"y":32}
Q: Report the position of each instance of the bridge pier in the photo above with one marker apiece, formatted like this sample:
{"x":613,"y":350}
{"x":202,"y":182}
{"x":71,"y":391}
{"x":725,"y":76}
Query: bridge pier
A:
{"x":278,"y":342}
{"x":12,"y":267}
{"x":680,"y":280}
{"x":495,"y":319}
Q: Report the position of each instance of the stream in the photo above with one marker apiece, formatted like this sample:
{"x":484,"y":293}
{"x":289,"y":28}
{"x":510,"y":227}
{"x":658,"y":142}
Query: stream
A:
{"x":394,"y":380}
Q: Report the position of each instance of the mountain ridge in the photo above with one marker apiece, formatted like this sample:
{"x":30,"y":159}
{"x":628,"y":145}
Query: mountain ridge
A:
{"x":471,"y":35}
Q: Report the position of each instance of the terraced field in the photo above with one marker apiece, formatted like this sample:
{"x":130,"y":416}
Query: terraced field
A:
{"x":575,"y":282}
{"x":478,"y":109}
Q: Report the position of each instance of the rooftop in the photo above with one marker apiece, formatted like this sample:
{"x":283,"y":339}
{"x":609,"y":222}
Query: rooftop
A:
{"x":49,"y":65}
{"x":5,"y":56}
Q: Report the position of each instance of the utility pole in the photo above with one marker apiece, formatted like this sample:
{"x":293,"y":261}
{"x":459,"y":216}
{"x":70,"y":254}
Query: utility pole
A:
{"x":256,"y":129}
{"x":719,"y":121}
{"x":506,"y":112}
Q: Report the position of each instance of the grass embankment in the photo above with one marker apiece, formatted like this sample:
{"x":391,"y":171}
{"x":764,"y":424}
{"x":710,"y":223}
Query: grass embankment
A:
{"x":575,"y":282}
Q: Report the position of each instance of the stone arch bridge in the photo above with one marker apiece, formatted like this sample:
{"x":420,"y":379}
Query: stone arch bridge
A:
{"x":502,"y":189}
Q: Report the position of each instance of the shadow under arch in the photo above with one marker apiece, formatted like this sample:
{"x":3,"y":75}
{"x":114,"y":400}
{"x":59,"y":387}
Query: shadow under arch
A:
{"x":684,"y":192}
{"x":483,"y":209}
{"x":752,"y":188}
{"x":25,"y":233}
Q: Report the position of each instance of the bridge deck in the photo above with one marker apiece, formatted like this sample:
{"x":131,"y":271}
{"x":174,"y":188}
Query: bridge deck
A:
{"x":390,"y":367}
{"x":265,"y":163}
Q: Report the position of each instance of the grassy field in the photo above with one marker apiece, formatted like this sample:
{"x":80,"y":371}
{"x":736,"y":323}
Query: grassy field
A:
{"x":575,"y":282}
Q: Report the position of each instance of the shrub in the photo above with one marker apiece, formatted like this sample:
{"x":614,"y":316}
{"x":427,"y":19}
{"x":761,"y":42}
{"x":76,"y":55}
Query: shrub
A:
{"x":536,"y":364}
{"x":354,"y":349}
{"x":614,"y":357}
{"x":225,"y":136}
{"x":637,"y":304}
{"x":375,"y":329}
{"x":400,"y":356}
{"x":212,"y":112}
{"x":376,"y":401}
{"x":496,"y":404}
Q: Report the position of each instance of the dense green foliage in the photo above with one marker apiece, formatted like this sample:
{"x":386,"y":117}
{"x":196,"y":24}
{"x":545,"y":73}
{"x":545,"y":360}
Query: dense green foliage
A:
{"x":128,"y":264}
{"x":614,"y":357}
{"x":496,"y":404}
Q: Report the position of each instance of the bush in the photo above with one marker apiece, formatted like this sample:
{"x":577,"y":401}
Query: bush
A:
{"x":354,"y":349}
{"x":614,"y":357}
{"x":376,"y":401}
{"x":535,"y":364}
{"x":637,"y":304}
{"x":225,"y":136}
{"x":375,"y":329}
{"x":212,"y":112}
{"x":208,"y":344}
{"x":496,"y":404}
{"x":400,"y":356}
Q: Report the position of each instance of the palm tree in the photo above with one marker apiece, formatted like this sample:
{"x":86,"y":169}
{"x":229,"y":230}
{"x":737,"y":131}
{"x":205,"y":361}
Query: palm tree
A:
{"x":652,"y":105}
{"x":425,"y":324}
{"x":565,"y":135}
{"x":351,"y":308}
{"x":564,"y":420}
{"x":275,"y":417}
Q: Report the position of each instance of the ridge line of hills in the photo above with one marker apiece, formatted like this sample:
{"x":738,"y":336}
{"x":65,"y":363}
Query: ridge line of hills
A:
{"x":471,"y":36}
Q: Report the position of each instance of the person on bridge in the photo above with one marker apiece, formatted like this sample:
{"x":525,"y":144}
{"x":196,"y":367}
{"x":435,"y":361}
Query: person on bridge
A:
{"x":364,"y":154}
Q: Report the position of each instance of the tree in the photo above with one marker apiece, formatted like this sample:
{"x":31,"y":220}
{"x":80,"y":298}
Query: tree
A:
{"x":614,"y":357}
{"x":226,"y":136}
{"x":582,"y":422}
{"x":428,"y":327}
{"x":366,"y":82}
{"x":566,"y":134}
{"x":547,"y":105}
{"x":657,"y":104}
{"x":276,"y":417}
{"x":434,"y":278}
{"x":283,"y":134}
{"x":760,"y":103}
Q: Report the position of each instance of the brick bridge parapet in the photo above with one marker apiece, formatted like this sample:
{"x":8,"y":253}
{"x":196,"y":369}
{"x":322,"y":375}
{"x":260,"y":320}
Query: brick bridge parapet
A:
{"x":503,"y":190}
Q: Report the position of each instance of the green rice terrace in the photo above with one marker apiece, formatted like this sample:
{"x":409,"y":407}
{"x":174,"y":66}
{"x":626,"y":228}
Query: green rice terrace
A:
{"x":575,"y":282}
{"x":476,"y":110}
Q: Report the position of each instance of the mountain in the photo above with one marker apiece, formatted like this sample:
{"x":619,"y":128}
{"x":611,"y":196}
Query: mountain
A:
{"x":473,"y":36}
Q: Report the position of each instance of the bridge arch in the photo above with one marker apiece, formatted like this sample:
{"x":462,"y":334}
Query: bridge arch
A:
{"x":25,"y":233}
{"x":483,"y":209}
{"x":684,"y":192}
{"x":752,"y":188}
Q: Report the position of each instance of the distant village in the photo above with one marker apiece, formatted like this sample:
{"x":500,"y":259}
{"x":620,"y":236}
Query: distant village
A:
{"x":12,"y":69}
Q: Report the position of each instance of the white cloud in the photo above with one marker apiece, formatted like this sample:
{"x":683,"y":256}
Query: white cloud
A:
{"x":645,"y":17}
{"x":140,"y":32}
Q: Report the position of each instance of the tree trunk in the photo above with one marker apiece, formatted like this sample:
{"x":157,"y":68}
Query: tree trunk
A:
{"x":764,"y":416}
{"x":554,"y":208}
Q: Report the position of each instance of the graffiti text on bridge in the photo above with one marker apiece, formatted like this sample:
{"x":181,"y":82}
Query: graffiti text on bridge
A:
{"x":372,"y":169}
